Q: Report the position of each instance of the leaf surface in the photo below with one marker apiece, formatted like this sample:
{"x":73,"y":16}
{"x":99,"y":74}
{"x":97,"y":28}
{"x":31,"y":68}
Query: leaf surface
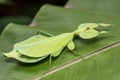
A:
{"x":57,"y":20}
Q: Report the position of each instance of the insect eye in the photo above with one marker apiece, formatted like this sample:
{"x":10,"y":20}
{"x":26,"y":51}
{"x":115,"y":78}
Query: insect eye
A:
{"x":87,"y":28}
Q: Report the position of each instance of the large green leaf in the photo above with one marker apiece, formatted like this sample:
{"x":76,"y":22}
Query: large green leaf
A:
{"x":18,"y":19}
{"x":95,"y":6}
{"x":71,"y":20}
{"x":56,"y":20}
{"x":103,"y":66}
{"x":4,"y":1}
{"x":13,"y":69}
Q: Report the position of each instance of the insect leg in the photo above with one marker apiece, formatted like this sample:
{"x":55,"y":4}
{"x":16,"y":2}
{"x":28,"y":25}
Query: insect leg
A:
{"x":50,"y":61}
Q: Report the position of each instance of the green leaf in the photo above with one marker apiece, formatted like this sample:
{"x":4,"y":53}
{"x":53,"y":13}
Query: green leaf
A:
{"x":99,"y":67}
{"x":56,"y":20}
{"x":4,"y":1}
{"x":97,"y":6}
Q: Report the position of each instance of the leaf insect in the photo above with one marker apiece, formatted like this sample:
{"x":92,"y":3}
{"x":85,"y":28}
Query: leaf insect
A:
{"x":38,"y":47}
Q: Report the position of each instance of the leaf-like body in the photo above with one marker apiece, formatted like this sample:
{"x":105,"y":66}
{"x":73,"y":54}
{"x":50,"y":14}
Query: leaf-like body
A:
{"x":29,"y":41}
{"x":46,"y":46}
{"x":16,"y":55}
{"x":71,"y":45}
{"x":57,"y":52}
{"x":89,"y":34}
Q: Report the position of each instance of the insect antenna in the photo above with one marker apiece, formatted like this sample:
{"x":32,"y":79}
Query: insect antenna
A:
{"x":47,"y":34}
{"x":44,"y":34}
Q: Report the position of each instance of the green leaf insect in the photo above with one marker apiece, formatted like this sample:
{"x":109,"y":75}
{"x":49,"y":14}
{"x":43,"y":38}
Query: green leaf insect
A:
{"x":15,"y":54}
{"x":38,"y":47}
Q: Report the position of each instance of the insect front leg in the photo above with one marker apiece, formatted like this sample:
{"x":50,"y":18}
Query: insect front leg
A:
{"x":44,"y":34}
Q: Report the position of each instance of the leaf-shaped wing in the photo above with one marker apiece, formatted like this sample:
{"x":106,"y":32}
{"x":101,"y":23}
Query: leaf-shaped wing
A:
{"x":16,"y":55}
{"x":29,"y":41}
{"x":57,"y":52}
{"x":46,"y":46}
